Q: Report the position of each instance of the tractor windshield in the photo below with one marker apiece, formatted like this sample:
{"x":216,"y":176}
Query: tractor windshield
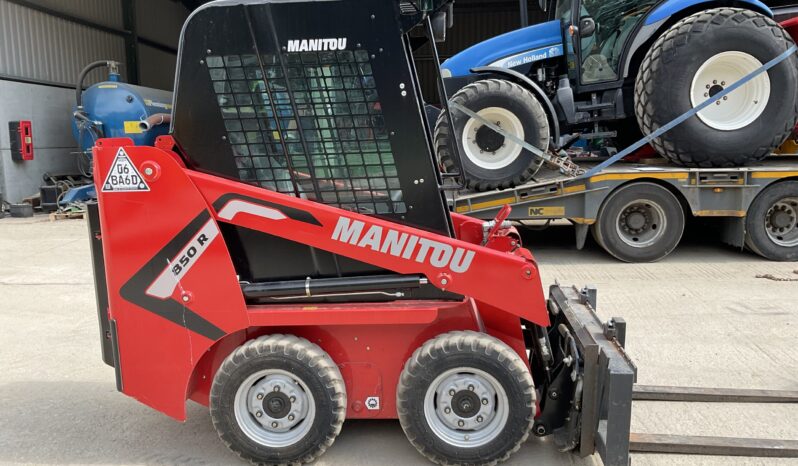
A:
{"x":615,"y":21}
{"x":563,"y":10}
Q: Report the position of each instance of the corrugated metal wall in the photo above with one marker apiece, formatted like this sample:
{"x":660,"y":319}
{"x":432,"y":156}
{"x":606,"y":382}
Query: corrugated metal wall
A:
{"x":105,"y":12}
{"x":37,"y":46}
{"x":474,"y":21}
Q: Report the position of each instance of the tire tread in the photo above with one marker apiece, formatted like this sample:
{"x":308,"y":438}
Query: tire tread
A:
{"x":439,"y":347}
{"x":293,"y":347}
{"x":442,"y":139}
{"x":674,"y":41}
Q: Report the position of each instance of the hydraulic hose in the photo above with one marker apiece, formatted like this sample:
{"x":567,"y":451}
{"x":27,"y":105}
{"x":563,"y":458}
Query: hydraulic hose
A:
{"x":82,"y":76}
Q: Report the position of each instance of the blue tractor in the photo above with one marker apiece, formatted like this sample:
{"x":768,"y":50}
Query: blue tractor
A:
{"x":598,"y":65}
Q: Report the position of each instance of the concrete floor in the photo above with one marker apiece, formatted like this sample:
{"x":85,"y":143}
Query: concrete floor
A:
{"x":700,"y":317}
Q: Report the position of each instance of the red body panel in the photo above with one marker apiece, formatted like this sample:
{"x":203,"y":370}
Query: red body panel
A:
{"x":179,"y":309}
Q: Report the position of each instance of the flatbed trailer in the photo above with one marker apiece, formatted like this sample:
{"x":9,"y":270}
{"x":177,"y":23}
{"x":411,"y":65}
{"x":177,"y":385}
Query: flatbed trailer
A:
{"x":637,"y":211}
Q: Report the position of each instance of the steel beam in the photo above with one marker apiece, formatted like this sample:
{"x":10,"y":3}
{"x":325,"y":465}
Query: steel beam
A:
{"x":713,"y":395}
{"x":131,"y":41}
{"x":721,"y":446}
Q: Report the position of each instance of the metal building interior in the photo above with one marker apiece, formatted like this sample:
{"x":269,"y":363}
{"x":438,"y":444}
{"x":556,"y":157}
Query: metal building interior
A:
{"x":47,"y":42}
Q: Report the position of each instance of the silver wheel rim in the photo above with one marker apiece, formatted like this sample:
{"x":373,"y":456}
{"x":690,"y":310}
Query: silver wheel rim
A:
{"x":499,"y":155}
{"x":781,"y":222}
{"x":256,"y":408}
{"x":741,"y":107}
{"x":641,"y":223}
{"x":450,"y":411}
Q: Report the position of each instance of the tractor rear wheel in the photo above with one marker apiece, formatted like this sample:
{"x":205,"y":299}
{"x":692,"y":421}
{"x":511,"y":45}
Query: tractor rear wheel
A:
{"x":466,"y":398}
{"x":699,"y":57}
{"x":490,"y":160}
{"x":278,"y":399}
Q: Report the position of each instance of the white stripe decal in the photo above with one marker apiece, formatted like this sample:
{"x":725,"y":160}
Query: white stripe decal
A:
{"x":165,"y":284}
{"x":235,"y":207}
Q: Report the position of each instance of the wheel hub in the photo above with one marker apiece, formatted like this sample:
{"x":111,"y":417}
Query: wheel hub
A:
{"x":641,"y":223}
{"x":465,"y":404}
{"x":781,"y":222}
{"x":466,"y":409}
{"x":636,"y":220}
{"x":277,"y":405}
{"x":486,"y":148}
{"x":489,"y":140}
{"x":274,"y":408}
{"x":741,"y":107}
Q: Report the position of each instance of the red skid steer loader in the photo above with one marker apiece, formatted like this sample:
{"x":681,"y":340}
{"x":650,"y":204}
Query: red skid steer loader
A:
{"x":286,"y":256}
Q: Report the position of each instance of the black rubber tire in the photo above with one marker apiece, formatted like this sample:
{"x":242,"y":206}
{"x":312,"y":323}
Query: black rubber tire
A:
{"x":306,"y":361}
{"x":756,"y":237}
{"x":606,"y":234}
{"x":662,"y":88}
{"x":494,"y":93}
{"x":473,"y":350}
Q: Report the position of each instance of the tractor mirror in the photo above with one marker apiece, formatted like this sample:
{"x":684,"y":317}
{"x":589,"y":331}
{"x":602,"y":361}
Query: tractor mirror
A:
{"x":587,"y":26}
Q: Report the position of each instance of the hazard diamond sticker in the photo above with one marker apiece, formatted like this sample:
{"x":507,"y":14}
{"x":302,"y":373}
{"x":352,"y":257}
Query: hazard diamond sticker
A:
{"x":123,"y":176}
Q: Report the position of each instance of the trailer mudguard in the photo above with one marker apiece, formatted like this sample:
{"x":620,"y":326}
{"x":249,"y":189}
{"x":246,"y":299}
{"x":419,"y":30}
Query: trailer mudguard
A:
{"x":510,"y":50}
{"x":173,"y":290}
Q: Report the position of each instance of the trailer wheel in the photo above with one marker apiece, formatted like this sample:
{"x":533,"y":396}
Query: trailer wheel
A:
{"x":466,"y":398}
{"x":278,"y":399}
{"x":771,"y":225}
{"x":700,"y":56}
{"x":639,"y":222}
{"x":489,"y":160}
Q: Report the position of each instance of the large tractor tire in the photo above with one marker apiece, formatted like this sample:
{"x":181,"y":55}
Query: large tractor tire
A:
{"x":698,"y":57}
{"x":489,"y":160}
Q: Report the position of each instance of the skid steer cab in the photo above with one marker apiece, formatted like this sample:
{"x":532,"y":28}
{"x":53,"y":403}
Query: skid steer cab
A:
{"x":609,"y":71}
{"x":286,"y":257}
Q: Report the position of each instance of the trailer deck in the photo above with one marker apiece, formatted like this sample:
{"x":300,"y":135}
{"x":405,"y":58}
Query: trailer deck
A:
{"x":725,"y":193}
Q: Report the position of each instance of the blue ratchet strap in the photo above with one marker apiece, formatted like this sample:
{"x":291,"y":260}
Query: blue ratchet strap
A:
{"x":680,"y":119}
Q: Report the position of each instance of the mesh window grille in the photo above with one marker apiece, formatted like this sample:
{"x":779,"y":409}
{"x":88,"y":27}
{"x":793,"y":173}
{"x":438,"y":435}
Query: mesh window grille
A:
{"x":338,"y":118}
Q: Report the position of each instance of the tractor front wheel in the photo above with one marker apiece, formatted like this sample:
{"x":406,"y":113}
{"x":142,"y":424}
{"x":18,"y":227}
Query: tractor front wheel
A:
{"x":697,"y":58}
{"x":489,"y":159}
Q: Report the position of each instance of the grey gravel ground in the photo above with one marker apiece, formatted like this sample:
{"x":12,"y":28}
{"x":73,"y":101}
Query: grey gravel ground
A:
{"x":701,"y":317}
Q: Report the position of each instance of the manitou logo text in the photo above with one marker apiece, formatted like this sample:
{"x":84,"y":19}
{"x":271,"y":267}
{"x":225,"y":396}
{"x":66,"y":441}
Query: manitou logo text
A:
{"x":404,"y":245}
{"x":316,"y":45}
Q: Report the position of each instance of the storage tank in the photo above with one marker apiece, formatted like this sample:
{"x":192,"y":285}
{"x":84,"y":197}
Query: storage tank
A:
{"x":113,"y":108}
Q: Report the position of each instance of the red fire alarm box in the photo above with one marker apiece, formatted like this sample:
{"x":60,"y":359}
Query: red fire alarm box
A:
{"x":21,"y":140}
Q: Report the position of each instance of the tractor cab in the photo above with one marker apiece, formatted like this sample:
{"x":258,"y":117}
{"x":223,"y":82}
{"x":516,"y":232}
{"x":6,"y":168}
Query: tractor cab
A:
{"x":590,"y":40}
{"x":601,"y":33}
